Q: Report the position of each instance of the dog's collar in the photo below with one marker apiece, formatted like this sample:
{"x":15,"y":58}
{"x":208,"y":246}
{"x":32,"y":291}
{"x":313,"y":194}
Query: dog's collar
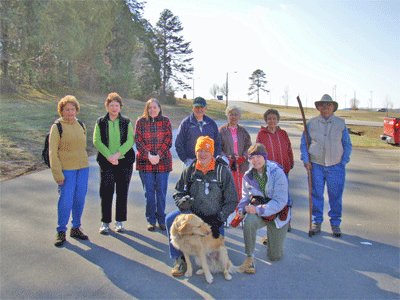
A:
{"x":190,"y":234}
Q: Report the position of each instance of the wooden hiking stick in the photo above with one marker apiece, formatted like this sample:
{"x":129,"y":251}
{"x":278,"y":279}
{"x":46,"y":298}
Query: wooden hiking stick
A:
{"x":308,"y":171}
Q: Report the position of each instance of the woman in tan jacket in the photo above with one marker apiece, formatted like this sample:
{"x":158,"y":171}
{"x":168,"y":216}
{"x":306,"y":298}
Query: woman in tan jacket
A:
{"x":70,"y":167}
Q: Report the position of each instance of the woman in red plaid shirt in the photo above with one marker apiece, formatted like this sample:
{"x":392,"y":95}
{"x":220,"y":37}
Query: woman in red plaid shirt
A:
{"x":153,"y":138}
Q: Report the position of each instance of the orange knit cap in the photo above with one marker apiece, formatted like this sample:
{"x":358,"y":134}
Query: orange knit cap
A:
{"x":205,"y":142}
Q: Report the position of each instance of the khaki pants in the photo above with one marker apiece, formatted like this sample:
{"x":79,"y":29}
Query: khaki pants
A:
{"x":276,"y":237}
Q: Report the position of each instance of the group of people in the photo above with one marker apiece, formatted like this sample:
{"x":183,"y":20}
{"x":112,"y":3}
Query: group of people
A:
{"x":223,"y":175}
{"x":113,"y":137}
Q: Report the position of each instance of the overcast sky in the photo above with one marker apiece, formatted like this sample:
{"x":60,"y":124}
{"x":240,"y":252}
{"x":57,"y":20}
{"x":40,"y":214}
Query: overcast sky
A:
{"x":341,"y":48}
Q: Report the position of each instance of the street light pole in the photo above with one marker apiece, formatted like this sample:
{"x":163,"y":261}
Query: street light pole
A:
{"x":227,"y":89}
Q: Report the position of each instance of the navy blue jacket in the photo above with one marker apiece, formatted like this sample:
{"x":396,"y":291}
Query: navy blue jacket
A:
{"x":188,"y":133}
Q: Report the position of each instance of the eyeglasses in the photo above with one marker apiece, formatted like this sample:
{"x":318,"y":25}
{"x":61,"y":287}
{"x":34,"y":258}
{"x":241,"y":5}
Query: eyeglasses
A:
{"x":326,"y":104}
{"x":207,"y":191}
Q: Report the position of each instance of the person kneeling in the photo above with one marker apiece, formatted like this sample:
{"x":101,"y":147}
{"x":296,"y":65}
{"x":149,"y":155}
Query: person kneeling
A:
{"x":207,"y":189}
{"x":264,"y":203}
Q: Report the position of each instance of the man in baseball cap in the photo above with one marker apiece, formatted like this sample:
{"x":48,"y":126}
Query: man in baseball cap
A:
{"x":199,"y":101}
{"x":192,"y":127}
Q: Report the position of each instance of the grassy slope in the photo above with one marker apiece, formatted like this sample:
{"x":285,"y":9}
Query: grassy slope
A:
{"x":27,"y":117}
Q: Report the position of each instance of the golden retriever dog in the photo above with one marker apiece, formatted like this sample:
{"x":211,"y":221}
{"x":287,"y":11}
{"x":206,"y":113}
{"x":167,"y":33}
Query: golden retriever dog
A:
{"x":193,"y":237}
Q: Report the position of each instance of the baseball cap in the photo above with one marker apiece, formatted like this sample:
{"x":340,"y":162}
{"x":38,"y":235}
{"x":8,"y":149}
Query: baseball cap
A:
{"x":199,"y":101}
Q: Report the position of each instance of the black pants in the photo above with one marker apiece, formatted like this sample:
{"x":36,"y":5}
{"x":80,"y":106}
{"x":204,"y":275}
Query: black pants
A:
{"x":115,"y":178}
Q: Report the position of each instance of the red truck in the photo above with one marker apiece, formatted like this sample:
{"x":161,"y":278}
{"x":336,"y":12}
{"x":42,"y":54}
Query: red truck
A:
{"x":391,"y":131}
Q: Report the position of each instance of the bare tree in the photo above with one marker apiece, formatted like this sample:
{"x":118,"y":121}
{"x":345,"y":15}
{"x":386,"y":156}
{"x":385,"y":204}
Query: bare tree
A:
{"x":286,"y":94}
{"x":224,"y":89}
{"x":214,"y":90}
{"x":387,"y":104}
{"x":354,"y":104}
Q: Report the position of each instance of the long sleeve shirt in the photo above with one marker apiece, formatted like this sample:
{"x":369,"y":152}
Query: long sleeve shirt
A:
{"x":114,"y":144}
{"x":153,"y":136}
{"x":330,"y":142}
{"x":278,"y":146}
{"x":190,"y":130}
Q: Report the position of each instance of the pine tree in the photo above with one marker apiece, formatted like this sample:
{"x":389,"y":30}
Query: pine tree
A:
{"x":257,"y":83}
{"x":173,"y":51}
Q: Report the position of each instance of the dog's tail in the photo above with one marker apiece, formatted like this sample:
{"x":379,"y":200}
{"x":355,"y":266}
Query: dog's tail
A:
{"x":241,"y":269}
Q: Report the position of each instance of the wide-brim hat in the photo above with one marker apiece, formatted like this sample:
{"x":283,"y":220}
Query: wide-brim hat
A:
{"x":327,"y":99}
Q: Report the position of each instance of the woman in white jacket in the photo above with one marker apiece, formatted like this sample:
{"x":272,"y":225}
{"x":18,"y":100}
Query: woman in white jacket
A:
{"x":264,"y":203}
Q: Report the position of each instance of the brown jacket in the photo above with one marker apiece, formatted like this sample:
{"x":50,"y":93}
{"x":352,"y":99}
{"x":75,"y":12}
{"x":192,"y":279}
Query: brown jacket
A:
{"x":244,"y":143}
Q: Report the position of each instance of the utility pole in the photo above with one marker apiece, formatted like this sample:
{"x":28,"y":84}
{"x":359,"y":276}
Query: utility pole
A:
{"x":371,"y":100}
{"x":193,"y":87}
{"x":227,"y":89}
{"x":334,"y":92}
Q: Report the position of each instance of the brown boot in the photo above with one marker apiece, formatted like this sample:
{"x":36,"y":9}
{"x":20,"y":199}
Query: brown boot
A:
{"x":60,"y":239}
{"x":78,"y":234}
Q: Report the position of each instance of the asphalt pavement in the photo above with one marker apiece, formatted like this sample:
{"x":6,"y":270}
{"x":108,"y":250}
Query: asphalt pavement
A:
{"x":363,"y":264}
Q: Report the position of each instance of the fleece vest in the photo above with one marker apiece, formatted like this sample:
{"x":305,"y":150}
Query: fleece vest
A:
{"x":326,"y":147}
{"x":102,"y":122}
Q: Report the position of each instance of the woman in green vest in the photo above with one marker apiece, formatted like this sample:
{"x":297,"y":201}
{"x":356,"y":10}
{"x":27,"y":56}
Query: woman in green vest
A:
{"x":113,"y":137}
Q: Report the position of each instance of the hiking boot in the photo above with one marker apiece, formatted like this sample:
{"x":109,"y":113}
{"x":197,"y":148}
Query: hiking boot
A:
{"x":119,"y":227}
{"x":336,"y":231}
{"x":78,"y":234}
{"x":104,"y":229}
{"x":316,"y":228}
{"x":179,"y":267}
{"x":252,"y":268}
{"x":151,"y":227}
{"x":60,"y":239}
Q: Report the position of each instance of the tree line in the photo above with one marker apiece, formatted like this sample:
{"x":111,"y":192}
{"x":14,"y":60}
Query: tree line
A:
{"x":97,"y":46}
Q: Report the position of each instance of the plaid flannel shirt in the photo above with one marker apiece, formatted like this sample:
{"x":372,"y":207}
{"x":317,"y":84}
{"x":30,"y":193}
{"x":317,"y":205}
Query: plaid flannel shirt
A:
{"x":154,"y":136}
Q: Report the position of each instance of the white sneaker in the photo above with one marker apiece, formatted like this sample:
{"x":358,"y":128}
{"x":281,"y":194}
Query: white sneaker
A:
{"x":104,"y":229}
{"x":119,"y":227}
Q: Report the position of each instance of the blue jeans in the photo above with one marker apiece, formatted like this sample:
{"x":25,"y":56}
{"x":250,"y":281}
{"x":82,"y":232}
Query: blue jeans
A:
{"x":169,"y":219}
{"x":289,"y":202}
{"x":72,"y":197}
{"x":334,"y":177}
{"x":155,"y":187}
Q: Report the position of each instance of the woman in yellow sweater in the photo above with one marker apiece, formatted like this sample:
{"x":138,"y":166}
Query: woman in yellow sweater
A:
{"x":70,"y":167}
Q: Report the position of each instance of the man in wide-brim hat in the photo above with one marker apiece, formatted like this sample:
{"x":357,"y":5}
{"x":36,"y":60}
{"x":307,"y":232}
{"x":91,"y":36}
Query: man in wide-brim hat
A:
{"x":326,"y":99}
{"x":329,"y":152}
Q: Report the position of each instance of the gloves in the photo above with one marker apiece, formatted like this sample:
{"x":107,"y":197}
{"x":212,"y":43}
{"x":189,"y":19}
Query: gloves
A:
{"x":258,"y":200}
{"x":184,"y":203}
{"x":240,"y":160}
{"x":232,"y":163}
{"x":215,"y":222}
